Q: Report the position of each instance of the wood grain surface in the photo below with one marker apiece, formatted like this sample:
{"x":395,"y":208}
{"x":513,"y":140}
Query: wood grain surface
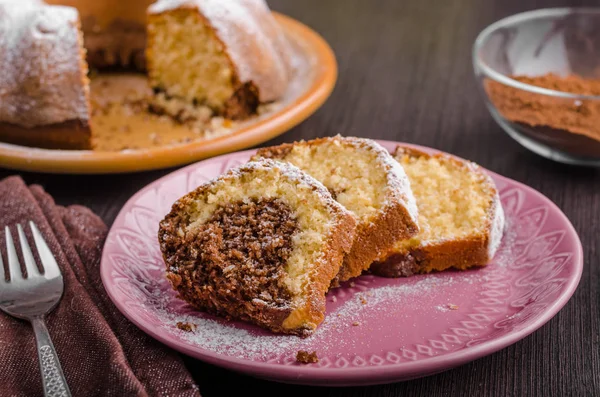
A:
{"x":405,"y":74}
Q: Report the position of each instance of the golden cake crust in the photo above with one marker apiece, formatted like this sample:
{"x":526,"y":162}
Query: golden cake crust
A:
{"x":474,"y":250}
{"x":314,"y":313}
{"x":301,"y":320}
{"x":394,"y":221}
{"x":72,"y":134}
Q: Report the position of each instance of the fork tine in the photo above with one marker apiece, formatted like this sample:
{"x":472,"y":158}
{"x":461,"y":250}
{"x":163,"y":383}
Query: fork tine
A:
{"x":14,"y":267}
{"x":2,"y":274}
{"x":32,"y":269}
{"x":51,"y":269}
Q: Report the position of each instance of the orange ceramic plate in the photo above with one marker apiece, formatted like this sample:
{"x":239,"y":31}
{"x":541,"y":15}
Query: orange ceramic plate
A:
{"x":319,"y":73}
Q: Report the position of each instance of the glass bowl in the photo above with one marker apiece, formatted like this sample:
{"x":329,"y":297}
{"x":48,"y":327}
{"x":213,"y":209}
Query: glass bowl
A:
{"x":563,"y":126}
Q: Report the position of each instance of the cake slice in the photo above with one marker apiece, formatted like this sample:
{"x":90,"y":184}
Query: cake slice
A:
{"x":229,"y":55}
{"x":460,"y":217}
{"x":363,"y":177}
{"x":261,"y":243}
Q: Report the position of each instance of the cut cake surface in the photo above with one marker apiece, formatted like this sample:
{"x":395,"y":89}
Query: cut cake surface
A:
{"x":460,"y":216}
{"x":363,"y":177}
{"x":229,"y":55}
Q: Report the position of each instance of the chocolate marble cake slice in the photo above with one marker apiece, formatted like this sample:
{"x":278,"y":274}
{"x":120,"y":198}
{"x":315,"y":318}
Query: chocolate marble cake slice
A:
{"x":262,"y":243}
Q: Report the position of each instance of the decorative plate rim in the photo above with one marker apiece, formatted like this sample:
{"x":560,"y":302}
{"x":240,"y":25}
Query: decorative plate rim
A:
{"x":89,"y":162}
{"x":367,"y":375}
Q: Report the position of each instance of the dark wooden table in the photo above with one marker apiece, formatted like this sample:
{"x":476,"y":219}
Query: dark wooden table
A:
{"x":406,"y":75}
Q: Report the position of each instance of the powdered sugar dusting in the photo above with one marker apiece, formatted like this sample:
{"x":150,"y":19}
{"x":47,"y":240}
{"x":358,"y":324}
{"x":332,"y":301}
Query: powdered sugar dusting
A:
{"x":503,"y":254}
{"x":41,"y":71}
{"x":290,"y":171}
{"x":228,"y":338}
{"x":399,"y":184}
{"x":497,"y":226}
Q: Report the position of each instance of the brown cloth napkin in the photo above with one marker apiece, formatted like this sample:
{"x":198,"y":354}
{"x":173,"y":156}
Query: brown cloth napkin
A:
{"x":101,"y":352}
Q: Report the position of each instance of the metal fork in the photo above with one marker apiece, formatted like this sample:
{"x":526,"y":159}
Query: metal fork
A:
{"x":31,"y":297}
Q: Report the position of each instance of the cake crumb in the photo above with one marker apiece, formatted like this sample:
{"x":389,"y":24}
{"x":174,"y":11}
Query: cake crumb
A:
{"x":186,"y":326}
{"x":305,"y":357}
{"x":352,"y":284}
{"x":452,"y":306}
{"x":356,"y":323}
{"x":363,"y":300}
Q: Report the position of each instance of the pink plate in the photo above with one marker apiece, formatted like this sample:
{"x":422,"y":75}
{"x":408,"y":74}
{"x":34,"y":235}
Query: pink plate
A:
{"x":376,"y":330}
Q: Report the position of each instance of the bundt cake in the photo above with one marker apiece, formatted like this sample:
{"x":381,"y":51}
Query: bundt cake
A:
{"x":114,"y":31}
{"x":44,"y":89}
{"x":261,"y":243}
{"x":460,"y":217}
{"x":211,"y":61}
{"x":363,"y":177}
{"x":229,"y":55}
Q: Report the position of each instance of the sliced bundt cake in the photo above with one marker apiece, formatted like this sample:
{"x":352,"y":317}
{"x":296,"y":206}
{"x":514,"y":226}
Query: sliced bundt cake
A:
{"x":209,"y":60}
{"x":363,"y":177}
{"x":228,"y":55}
{"x":460,"y":216}
{"x":261,"y":243}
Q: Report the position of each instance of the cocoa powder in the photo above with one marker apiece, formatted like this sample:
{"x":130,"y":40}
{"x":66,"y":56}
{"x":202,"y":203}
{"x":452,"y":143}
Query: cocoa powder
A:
{"x":553,"y":114}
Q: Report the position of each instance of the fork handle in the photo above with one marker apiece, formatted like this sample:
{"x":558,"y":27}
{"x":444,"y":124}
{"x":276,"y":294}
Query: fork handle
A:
{"x":53,"y":378}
